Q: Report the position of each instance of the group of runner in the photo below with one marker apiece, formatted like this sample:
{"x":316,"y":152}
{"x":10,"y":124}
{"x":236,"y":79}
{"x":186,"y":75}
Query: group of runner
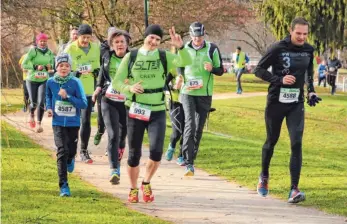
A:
{"x":130,"y":91}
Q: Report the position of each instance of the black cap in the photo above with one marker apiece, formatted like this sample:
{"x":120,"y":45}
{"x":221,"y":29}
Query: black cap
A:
{"x":196,"y":29}
{"x":154,"y":29}
{"x":85,"y":29}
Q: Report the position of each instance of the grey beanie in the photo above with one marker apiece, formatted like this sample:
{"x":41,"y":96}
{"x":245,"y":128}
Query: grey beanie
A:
{"x":85,"y":29}
{"x":113,"y":31}
{"x":63,"y":57}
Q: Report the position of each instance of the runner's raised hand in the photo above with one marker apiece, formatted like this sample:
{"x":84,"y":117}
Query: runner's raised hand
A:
{"x":176,"y":39}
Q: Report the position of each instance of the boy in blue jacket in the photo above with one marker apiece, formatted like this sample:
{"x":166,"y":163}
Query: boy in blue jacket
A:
{"x":64,"y":100}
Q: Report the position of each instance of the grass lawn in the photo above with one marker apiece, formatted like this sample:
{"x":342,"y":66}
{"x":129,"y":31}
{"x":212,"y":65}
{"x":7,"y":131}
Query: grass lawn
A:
{"x":238,"y":157}
{"x":11,"y":100}
{"x":30,"y":192}
{"x":227,"y":83}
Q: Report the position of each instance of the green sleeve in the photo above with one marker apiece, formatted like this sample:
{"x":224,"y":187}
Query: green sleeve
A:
{"x":121,"y":75}
{"x":27,"y":62}
{"x":181,"y":59}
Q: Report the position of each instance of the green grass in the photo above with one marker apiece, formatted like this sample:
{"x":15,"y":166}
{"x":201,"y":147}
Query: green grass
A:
{"x":29,"y":189}
{"x":11,"y":100}
{"x":238,"y":157}
{"x":227,"y":83}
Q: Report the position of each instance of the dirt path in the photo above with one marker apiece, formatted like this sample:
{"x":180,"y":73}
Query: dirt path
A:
{"x":200,"y":199}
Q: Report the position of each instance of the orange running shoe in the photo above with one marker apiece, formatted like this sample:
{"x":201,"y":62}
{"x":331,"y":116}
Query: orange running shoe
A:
{"x":147,"y":193}
{"x":133,"y":195}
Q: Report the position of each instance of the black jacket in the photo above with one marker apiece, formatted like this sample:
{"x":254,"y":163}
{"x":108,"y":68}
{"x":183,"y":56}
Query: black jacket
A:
{"x":286,"y":58}
{"x":104,"y":79}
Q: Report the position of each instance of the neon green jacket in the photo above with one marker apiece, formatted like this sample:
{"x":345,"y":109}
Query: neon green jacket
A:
{"x":196,"y":70}
{"x":81,"y":60}
{"x":148,"y":69}
{"x":36,"y":57}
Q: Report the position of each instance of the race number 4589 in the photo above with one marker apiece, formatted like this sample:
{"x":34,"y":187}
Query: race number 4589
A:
{"x":289,"y":95}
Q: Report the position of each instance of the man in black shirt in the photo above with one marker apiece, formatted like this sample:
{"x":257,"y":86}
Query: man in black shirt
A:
{"x":290,"y":59}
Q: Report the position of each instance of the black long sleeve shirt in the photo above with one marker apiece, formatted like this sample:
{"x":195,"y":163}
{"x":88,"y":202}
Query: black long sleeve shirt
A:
{"x":286,"y":58}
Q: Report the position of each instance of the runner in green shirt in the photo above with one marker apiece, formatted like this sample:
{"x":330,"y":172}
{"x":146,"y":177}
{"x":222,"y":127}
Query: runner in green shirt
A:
{"x":196,"y":93}
{"x":38,"y":63}
{"x":86,"y":63}
{"x":143,"y":87}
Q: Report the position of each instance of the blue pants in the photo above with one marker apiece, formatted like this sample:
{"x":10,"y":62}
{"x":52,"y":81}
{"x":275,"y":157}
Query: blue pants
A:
{"x":238,"y":73}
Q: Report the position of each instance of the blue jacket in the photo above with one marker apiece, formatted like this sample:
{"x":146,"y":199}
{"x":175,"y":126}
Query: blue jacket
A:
{"x":75,"y":101}
{"x":321,"y":70}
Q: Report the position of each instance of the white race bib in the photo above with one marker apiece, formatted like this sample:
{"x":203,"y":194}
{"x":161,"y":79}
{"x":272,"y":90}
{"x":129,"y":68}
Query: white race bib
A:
{"x":332,"y":69}
{"x":64,"y":108}
{"x":41,"y":75}
{"x":85,"y":68}
{"x":114,"y":95}
{"x":139,"y":111}
{"x":289,"y":95}
{"x":195,"y":83}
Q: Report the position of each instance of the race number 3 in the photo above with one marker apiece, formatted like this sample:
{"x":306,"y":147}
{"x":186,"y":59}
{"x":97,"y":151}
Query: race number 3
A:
{"x":289,"y":95}
{"x":286,"y":62}
{"x":140,"y":112}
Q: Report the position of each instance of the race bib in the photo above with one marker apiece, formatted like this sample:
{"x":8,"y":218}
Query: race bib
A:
{"x":139,"y":111}
{"x":289,"y":95}
{"x":41,"y":75}
{"x":85,"y":68}
{"x":64,"y":108}
{"x":195,"y":83}
{"x":332,"y":69}
{"x":114,"y":95}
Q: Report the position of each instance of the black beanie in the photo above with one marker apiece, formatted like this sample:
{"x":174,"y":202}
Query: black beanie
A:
{"x":85,"y":29}
{"x":154,"y":29}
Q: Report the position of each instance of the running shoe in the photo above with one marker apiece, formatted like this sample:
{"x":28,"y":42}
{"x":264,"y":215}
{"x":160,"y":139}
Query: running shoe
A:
{"x":189,"y":170}
{"x":133,"y":195}
{"x":65,"y":190}
{"x":180,"y":161}
{"x":120,"y":153}
{"x":263,"y":186}
{"x":71,"y":166}
{"x":296,"y":196}
{"x":85,"y":157}
{"x":169,"y":153}
{"x":147,"y":193}
{"x":39,"y":129}
{"x":115,"y":177}
{"x":32,"y":123}
{"x":97,"y":138}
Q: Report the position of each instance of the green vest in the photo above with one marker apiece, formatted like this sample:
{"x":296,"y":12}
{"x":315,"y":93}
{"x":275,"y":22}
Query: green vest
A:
{"x":195,"y":72}
{"x":148,"y":70}
{"x":242,"y":60}
{"x":36,"y":57}
{"x":80,"y":59}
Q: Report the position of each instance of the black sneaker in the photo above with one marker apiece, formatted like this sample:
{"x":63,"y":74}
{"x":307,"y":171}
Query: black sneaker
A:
{"x":85,"y":157}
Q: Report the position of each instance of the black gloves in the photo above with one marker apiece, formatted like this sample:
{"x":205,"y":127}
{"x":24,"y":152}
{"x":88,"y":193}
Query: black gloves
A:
{"x":96,"y":72}
{"x":313,"y":100}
